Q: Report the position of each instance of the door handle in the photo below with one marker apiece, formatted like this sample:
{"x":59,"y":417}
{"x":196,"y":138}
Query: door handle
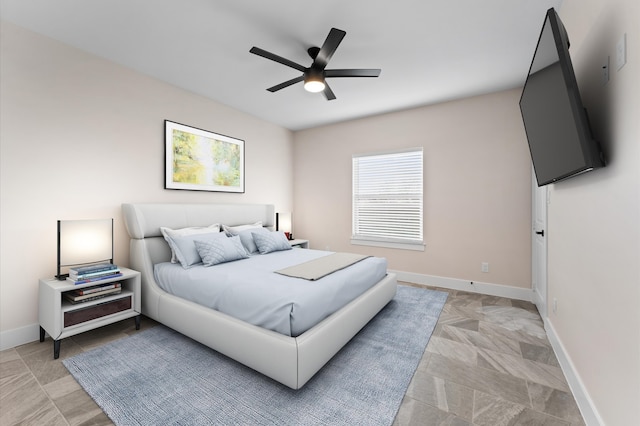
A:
{"x":541,"y":233}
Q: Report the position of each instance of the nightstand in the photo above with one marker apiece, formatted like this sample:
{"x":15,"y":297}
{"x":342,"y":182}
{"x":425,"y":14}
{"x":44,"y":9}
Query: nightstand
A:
{"x":298,"y":243}
{"x":60,"y":318}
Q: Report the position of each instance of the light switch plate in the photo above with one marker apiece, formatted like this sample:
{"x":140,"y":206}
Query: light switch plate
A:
{"x":621,"y":52}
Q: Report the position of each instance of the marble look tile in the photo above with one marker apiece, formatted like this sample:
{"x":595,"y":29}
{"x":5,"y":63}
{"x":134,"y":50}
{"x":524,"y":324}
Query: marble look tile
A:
{"x":78,"y":407}
{"x":61,"y":387}
{"x":454,"y":319}
{"x":556,"y":403}
{"x":415,"y":413}
{"x":525,"y":305}
{"x":491,"y":329}
{"x":495,"y":343}
{"x":23,"y":400}
{"x":9,"y":355}
{"x":515,"y":319}
{"x":43,"y":351}
{"x":490,"y":381}
{"x":466,"y":323}
{"x":101,"y":336}
{"x":446,"y":396}
{"x":538,"y":353}
{"x":44,"y":415}
{"x":495,"y":301}
{"x":489,"y":410}
{"x":44,"y":367}
{"x":469,"y":312}
{"x":532,"y":371}
{"x":36,"y":348}
{"x":11,"y":364}
{"x":453,"y":350}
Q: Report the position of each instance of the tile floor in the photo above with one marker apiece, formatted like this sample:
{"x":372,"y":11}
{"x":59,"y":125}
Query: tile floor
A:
{"x":488,"y":363}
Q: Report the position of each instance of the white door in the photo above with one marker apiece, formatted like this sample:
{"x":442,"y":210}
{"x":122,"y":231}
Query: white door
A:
{"x":539,"y":247}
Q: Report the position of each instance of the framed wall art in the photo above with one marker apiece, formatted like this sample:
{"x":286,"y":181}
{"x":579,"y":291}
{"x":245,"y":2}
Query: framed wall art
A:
{"x":199,"y":160}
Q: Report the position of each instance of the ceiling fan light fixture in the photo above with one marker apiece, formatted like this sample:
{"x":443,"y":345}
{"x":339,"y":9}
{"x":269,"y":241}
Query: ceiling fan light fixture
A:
{"x":314,"y":86}
{"x":314,"y":81}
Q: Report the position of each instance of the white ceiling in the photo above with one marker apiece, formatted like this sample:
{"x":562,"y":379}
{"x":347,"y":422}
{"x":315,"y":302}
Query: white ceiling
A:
{"x":429,"y":51}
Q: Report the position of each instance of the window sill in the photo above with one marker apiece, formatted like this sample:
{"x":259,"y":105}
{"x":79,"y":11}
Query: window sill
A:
{"x":387,"y":244}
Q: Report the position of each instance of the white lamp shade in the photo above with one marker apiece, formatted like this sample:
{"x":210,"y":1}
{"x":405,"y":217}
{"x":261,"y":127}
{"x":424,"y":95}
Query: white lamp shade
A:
{"x":85,"y":241}
{"x":284,"y":222}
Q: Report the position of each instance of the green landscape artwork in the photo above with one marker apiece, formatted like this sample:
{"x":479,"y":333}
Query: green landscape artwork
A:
{"x":202,"y":160}
{"x":205,"y":161}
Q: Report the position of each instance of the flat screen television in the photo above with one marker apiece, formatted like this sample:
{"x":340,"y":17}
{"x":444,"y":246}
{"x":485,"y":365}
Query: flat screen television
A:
{"x":555,"y":121}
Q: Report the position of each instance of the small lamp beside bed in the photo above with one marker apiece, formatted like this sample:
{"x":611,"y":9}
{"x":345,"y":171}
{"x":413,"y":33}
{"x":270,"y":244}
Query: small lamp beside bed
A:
{"x":83,"y":242}
{"x":284,"y":223}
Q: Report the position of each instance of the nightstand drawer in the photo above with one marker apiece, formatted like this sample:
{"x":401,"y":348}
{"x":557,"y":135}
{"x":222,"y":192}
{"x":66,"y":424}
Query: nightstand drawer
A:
{"x":92,"y":312}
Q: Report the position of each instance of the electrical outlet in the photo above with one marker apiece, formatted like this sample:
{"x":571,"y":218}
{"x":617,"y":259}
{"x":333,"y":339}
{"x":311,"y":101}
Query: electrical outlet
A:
{"x":621,"y":52}
{"x":484,"y":267}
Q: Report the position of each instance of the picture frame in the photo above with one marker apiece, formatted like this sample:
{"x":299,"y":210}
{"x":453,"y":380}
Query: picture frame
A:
{"x":200,"y":160}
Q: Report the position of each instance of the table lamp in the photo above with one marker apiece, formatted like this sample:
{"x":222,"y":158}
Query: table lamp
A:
{"x":84,"y":242}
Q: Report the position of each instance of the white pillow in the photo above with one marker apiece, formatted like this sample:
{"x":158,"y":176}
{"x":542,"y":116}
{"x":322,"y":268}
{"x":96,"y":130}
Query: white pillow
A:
{"x":221,"y":250}
{"x":169,"y":233}
{"x":271,"y":241}
{"x":235,"y":230}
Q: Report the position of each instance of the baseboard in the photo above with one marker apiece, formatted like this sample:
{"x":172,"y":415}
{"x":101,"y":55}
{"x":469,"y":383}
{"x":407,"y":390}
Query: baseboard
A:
{"x":19,"y":336}
{"x":464,"y":285}
{"x":585,"y":404}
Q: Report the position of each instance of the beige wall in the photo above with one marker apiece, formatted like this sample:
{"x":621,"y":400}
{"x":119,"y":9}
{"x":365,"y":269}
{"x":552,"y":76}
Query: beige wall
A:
{"x":81,"y":135}
{"x":594,"y":220}
{"x":477,"y":187}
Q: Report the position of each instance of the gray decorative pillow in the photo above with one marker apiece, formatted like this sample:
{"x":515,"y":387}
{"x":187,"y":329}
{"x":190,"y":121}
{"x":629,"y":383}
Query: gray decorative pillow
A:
{"x":246,"y":237}
{"x":220,"y":250}
{"x":271,"y":241}
{"x":185,"y":250}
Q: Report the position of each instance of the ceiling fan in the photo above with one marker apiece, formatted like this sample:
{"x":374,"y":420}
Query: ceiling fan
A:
{"x":315,"y":75}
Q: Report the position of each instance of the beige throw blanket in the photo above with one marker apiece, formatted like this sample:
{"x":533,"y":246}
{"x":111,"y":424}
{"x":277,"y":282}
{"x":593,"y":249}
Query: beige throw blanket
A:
{"x":322,"y":266}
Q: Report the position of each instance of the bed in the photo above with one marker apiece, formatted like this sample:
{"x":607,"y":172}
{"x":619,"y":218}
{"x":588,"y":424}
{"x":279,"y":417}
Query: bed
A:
{"x":290,"y":360}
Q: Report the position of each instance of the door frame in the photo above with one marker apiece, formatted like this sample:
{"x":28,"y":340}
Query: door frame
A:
{"x":539,"y":245}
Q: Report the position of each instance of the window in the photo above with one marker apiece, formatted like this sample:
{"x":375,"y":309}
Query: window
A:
{"x":387,"y":199}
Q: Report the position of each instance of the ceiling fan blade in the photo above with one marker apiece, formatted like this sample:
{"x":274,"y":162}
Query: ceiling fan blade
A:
{"x":276,"y":58}
{"x":328,"y":48}
{"x":328,"y":93}
{"x":286,"y":84}
{"x":352,"y":73}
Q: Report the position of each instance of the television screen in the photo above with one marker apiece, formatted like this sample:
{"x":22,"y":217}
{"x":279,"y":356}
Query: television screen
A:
{"x":555,"y":120}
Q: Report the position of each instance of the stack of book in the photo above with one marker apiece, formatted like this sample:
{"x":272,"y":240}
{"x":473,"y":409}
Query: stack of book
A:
{"x":87,"y":274}
{"x":92,"y":293}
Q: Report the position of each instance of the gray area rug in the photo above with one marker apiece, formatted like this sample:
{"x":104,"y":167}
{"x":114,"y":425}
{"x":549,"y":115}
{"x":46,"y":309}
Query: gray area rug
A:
{"x":160,"y":377}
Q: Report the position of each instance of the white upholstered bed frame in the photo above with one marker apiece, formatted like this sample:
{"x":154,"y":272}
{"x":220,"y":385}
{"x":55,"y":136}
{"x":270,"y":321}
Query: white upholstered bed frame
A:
{"x":291,"y":361}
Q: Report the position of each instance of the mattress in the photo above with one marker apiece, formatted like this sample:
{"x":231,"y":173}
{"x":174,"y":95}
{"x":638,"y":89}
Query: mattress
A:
{"x":250,"y":290}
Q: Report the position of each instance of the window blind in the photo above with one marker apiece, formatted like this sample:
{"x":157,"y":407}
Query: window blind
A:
{"x":387,"y":197}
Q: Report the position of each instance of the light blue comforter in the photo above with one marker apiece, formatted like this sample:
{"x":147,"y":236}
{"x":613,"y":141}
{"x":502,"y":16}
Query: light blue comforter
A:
{"x":251,"y":291}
